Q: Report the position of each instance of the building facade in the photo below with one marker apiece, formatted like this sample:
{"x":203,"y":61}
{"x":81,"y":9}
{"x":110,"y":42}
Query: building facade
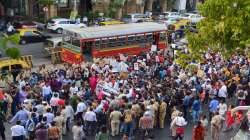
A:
{"x":62,"y":8}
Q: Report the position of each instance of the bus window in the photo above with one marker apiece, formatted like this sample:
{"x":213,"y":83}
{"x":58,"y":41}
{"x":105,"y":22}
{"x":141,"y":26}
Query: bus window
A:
{"x":112,"y":42}
{"x":121,"y":41}
{"x":149,"y":38}
{"x":75,"y":42}
{"x":97,"y":44}
{"x":104,"y":43}
{"x":131,"y":40}
{"x":140,"y":39}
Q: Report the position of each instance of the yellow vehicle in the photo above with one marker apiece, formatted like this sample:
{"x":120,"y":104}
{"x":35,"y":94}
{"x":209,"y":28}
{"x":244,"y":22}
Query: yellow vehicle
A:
{"x":178,"y":24}
{"x":13,"y":65}
{"x":30,"y":35}
{"x":113,"y":22}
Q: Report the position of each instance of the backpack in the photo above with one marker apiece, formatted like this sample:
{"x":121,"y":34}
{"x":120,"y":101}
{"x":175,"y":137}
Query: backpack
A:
{"x":128,"y":117}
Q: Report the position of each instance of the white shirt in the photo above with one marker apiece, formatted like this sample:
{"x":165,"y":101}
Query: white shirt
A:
{"x":46,"y":90}
{"x":222,"y":109}
{"x":17,"y":130}
{"x":223,"y":91}
{"x":81,"y":107}
{"x":179,"y":121}
{"x":73,"y":90}
{"x":50,"y":117}
{"x":69,"y":112}
{"x":90,"y":116}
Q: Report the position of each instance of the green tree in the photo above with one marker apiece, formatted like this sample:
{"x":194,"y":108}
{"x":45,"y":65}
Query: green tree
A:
{"x":225,"y":29}
{"x":11,"y":52}
{"x":115,"y":8}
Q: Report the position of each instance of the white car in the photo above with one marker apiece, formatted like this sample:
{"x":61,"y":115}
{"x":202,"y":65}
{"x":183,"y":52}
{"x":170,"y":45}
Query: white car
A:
{"x":171,"y":14}
{"x":194,"y":18}
{"x":58,"y":25}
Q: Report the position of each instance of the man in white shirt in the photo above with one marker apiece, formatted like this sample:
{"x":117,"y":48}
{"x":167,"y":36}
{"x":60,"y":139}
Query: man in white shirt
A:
{"x":222,"y":91}
{"x":80,"y":110}
{"x":179,"y":122}
{"x":69,"y":114}
{"x":50,"y":116}
{"x":90,"y":120}
{"x":17,"y":131}
{"x":46,"y":92}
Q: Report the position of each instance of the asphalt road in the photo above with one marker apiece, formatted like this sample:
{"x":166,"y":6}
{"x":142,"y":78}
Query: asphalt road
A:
{"x":34,"y":49}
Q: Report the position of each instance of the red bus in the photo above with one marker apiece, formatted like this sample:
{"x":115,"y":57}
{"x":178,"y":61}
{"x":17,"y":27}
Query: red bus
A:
{"x":79,"y":44}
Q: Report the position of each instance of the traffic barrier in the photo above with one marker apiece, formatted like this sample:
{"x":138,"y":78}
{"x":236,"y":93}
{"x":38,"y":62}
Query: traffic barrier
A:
{"x":27,"y":59}
{"x":56,"y":57}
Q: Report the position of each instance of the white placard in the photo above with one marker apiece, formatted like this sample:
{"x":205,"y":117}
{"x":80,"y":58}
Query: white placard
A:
{"x":153,"y":48}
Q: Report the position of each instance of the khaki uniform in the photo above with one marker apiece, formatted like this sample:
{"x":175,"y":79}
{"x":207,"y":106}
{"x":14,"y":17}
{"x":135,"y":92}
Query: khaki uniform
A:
{"x":115,"y":117}
{"x":9,"y":101}
{"x":162,"y":114}
{"x":63,"y":114}
{"x":156,"y":109}
{"x":59,"y":123}
{"x":216,"y":123}
{"x":173,"y":128}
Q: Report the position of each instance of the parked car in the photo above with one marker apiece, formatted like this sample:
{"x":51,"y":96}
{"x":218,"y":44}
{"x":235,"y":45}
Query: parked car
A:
{"x":179,"y":24}
{"x":59,"y":24}
{"x":134,"y":18}
{"x":194,"y":18}
{"x":171,"y":14}
{"x":24,"y":24}
{"x":31,"y":35}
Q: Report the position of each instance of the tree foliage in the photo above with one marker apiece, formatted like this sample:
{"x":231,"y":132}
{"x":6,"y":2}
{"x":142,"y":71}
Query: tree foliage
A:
{"x":11,"y":52}
{"x":225,"y":28}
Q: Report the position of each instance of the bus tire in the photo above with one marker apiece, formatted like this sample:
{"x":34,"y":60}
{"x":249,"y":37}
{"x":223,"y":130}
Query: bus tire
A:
{"x":59,"y":30}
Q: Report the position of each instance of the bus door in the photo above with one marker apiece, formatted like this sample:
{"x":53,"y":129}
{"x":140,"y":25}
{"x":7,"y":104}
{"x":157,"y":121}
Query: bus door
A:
{"x":87,"y":48}
{"x":156,"y":38}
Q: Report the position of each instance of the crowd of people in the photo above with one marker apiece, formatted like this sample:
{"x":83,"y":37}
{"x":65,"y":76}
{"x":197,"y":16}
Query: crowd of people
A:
{"x":126,"y":96}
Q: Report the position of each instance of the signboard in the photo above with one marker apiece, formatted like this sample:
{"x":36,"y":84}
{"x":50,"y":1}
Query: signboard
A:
{"x":107,"y":90}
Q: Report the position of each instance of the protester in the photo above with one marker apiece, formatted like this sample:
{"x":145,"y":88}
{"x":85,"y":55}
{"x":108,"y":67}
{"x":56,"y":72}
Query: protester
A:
{"x":78,"y":133}
{"x":180,"y":123}
{"x":18,"y":131}
{"x":198,"y":132}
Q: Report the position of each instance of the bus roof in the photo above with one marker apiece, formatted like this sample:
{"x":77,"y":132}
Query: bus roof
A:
{"x":116,"y":30}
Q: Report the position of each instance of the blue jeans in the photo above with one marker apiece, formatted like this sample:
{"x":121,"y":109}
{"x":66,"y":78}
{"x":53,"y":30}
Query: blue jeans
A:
{"x":128,"y":127}
{"x":47,"y":98}
{"x":196,"y":115}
